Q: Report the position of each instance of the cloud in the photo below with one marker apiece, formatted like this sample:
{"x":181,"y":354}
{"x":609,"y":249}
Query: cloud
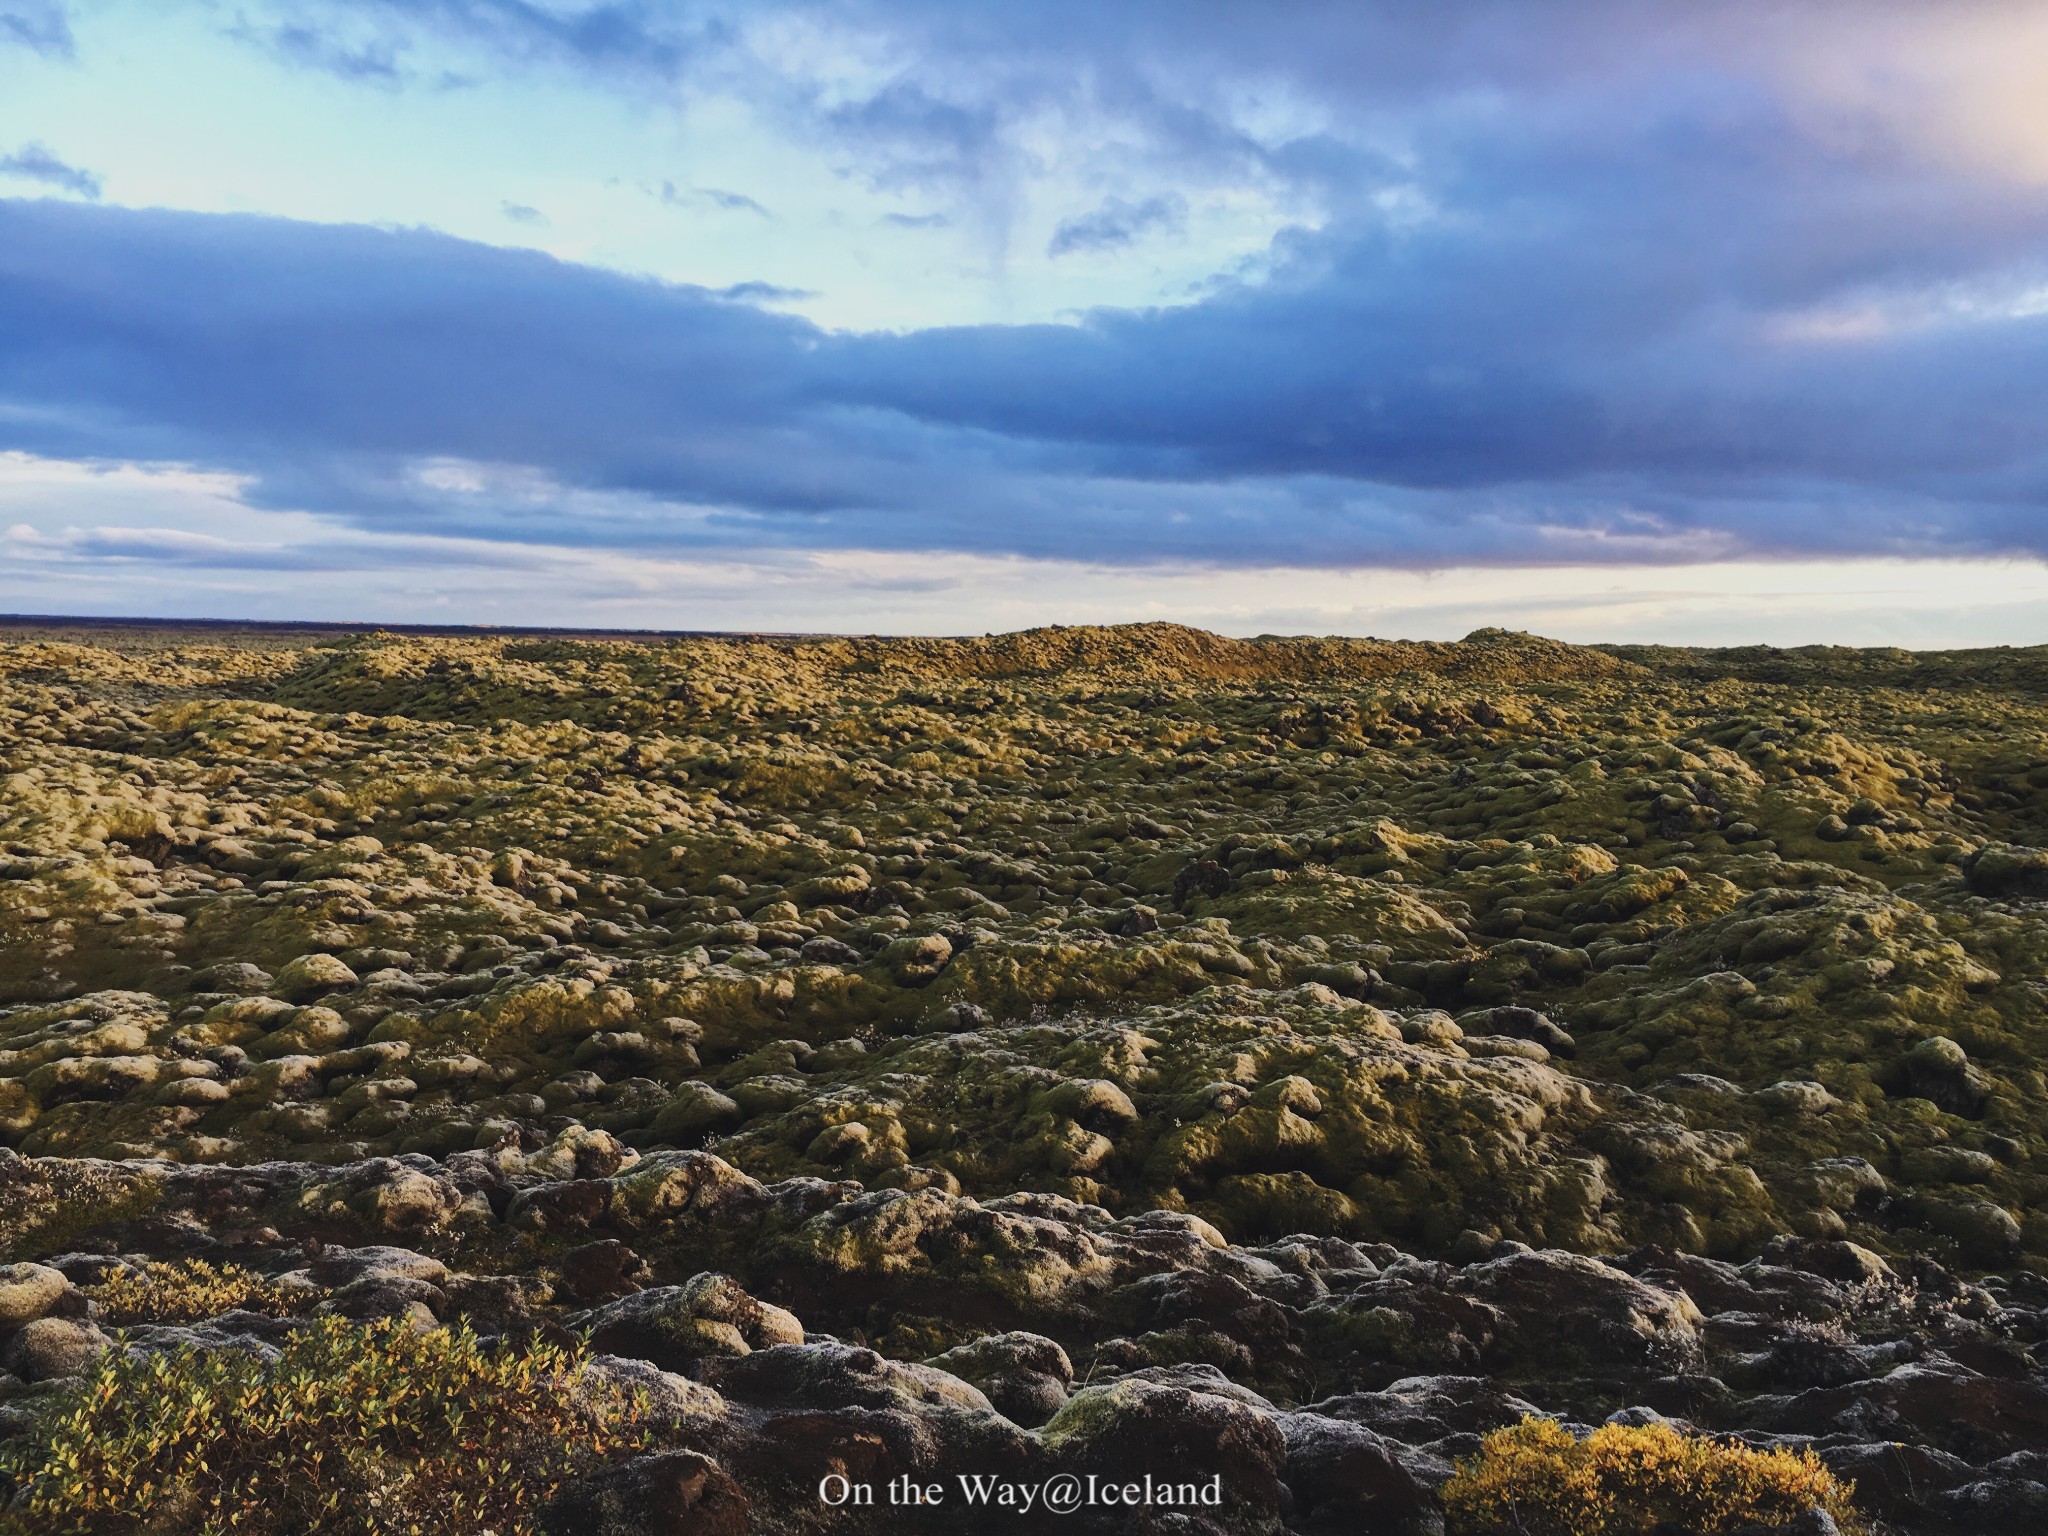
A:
{"x":1378,"y":402}
{"x":43,"y":28}
{"x":327,"y":50}
{"x":303,"y":568}
{"x":912,"y":136}
{"x":1602,"y":288}
{"x":732,"y":202}
{"x":761,"y":293}
{"x":520,"y":213}
{"x":327,"y":358}
{"x":36,"y":162}
{"x":387,"y":40}
{"x":717,"y":197}
{"x":1118,"y":223}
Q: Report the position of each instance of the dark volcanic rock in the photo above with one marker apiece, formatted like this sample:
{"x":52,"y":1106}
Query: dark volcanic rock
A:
{"x":1136,"y":1429}
{"x":677,"y":1326}
{"x":674,"y":1493}
{"x":1344,"y":1476}
{"x":1567,"y":1312}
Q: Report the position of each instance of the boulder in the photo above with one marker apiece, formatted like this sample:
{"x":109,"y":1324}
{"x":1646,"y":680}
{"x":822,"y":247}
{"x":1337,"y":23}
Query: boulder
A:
{"x":695,"y":1110}
{"x":676,"y":1326}
{"x":1522,"y":1024}
{"x":311,"y":976}
{"x":1933,"y":1403}
{"x":337,"y":1266}
{"x":27,"y":1292}
{"x":1939,"y":1070}
{"x":673,"y":1493}
{"x":1566,"y":1311}
{"x":1133,"y":1429}
{"x":1347,"y":1475}
{"x":2008,"y":870}
{"x":1025,"y":1375}
{"x":599,"y":1272}
{"x":833,"y":1375}
{"x":51,"y":1347}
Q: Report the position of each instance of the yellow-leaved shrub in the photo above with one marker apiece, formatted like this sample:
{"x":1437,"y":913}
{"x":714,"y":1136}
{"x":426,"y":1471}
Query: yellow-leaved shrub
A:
{"x":189,"y":1290}
{"x":1537,"y":1478}
{"x":373,"y":1429}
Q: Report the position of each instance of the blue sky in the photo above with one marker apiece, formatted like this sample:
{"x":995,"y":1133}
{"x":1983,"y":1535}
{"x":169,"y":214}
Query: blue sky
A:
{"x":1716,"y":322}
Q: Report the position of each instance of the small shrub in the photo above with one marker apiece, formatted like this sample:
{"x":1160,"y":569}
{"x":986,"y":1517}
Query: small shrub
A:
{"x":366,"y":1429}
{"x":1536,"y":1478}
{"x":191,"y":1290}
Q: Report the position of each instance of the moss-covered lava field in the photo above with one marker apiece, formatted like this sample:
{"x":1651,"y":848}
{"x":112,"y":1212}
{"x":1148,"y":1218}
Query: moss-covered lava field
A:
{"x":1073,"y":1019}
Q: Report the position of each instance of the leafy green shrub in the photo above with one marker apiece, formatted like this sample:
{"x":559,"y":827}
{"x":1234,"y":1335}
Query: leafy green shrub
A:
{"x":191,"y":1289}
{"x":367,"y":1429}
{"x":1536,"y":1478}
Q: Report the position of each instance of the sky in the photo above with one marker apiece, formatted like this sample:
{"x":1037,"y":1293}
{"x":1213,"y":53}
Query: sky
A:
{"x":1714,"y":323}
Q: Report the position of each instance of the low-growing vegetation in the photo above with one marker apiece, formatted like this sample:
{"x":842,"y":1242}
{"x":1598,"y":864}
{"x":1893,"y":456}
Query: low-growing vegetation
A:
{"x":354,"y":1429}
{"x":187,"y":1290}
{"x":1537,"y":1478}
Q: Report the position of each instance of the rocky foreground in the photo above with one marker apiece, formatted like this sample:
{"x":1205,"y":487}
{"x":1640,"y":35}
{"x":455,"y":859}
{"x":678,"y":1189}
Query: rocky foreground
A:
{"x":792,"y":1333}
{"x":1083,"y":1052}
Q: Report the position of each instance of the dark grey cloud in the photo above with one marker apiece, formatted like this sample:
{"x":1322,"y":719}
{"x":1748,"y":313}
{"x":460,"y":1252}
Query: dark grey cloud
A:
{"x":1377,"y":402}
{"x":41,"y":26}
{"x":37,"y":162}
{"x":1120,"y":222}
{"x":326,"y":359}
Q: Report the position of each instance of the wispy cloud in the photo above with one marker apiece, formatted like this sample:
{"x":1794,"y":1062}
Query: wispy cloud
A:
{"x":713,"y":197}
{"x":384,"y":38}
{"x":41,"y":26}
{"x":1118,"y":223}
{"x":326,"y":49}
{"x":37,"y":162}
{"x":761,"y":293}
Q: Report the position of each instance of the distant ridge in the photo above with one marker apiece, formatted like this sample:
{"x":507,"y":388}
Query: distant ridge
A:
{"x":1164,"y":652}
{"x":1153,"y":652}
{"x":1144,"y":652}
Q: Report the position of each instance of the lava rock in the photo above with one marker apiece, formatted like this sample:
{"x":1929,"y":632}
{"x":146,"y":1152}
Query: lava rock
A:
{"x":51,"y":1347}
{"x":27,"y":1292}
{"x":676,"y":1326}
{"x":672,"y":1493}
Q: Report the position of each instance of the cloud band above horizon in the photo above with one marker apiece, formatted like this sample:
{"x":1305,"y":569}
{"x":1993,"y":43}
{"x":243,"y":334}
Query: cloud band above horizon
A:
{"x":1680,"y":295}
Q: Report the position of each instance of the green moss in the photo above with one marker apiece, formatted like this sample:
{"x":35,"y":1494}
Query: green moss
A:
{"x":1004,"y":869}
